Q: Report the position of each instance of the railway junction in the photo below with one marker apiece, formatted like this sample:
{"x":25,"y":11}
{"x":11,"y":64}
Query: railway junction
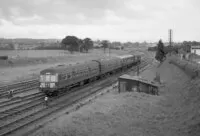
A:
{"x":98,"y":109}
{"x":27,"y":109}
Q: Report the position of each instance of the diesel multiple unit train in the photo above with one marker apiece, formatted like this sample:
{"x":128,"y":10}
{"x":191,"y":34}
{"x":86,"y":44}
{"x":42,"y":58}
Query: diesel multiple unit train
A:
{"x":55,"y":79}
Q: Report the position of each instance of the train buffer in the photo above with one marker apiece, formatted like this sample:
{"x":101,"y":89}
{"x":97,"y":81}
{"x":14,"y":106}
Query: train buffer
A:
{"x":137,"y":83}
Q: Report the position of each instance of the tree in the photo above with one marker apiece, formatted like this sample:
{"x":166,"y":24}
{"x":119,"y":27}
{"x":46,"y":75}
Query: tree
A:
{"x":71,"y":43}
{"x":105,"y":44}
{"x":87,"y":44}
{"x":11,"y":46}
{"x":80,"y":43}
{"x":160,"y":53}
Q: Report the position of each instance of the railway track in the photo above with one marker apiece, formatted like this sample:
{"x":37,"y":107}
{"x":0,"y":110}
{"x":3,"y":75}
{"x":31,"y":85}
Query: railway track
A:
{"x":20,"y":100}
{"x":35,"y":110}
{"x":18,"y":88}
{"x":14,"y":85}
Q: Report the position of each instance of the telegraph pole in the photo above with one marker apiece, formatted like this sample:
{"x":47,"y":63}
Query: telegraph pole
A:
{"x":170,"y":39}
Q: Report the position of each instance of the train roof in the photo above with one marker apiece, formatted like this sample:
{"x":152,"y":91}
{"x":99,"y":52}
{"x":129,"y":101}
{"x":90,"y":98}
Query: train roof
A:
{"x":125,"y":56}
{"x":68,"y":68}
{"x":107,"y":59}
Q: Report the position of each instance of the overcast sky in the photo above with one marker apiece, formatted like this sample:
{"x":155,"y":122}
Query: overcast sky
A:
{"x":120,"y":20}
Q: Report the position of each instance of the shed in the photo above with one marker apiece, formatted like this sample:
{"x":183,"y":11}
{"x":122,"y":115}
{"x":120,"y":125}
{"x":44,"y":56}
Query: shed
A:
{"x":137,"y":83}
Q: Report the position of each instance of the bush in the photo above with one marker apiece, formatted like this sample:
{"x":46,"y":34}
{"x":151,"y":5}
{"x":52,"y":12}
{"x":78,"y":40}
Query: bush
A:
{"x":192,"y":69}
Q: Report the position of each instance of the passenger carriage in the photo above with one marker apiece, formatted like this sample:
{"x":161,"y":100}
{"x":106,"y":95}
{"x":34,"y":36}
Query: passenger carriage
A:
{"x":54,"y":79}
{"x":61,"y":77}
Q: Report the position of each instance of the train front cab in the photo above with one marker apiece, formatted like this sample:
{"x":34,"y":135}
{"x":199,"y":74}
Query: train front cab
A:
{"x":48,"y":83}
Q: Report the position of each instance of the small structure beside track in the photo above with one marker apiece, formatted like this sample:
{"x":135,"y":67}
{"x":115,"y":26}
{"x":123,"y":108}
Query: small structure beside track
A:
{"x":137,"y":84}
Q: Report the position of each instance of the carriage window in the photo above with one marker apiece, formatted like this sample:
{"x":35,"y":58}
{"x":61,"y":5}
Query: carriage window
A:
{"x":47,"y":78}
{"x":53,"y":78}
{"x":42,"y":78}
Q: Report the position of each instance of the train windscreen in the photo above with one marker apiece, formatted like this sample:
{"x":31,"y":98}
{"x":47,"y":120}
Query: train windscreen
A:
{"x":48,"y":78}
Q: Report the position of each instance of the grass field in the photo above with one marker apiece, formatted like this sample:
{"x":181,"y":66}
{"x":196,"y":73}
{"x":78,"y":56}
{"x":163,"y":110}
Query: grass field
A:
{"x":33,"y":53}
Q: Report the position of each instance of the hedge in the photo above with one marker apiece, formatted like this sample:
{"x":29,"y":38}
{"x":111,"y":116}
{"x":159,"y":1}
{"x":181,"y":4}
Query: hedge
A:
{"x":191,"y":68}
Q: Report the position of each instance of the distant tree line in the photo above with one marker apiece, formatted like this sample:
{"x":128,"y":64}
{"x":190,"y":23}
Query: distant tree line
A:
{"x":8,"y":46}
{"x":27,"y":43}
{"x":49,"y":46}
{"x":185,"y":46}
{"x":162,"y":50}
{"x":73,"y":43}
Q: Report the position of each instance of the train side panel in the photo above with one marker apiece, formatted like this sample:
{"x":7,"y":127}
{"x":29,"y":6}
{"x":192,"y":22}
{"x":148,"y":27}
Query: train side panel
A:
{"x":72,"y":75}
{"x":110,"y":65}
{"x":79,"y":73}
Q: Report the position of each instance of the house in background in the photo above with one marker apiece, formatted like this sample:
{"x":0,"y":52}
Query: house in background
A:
{"x":195,"y":49}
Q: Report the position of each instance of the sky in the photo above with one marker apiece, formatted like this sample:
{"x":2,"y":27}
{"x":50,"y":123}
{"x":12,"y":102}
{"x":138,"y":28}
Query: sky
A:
{"x":114,"y":20}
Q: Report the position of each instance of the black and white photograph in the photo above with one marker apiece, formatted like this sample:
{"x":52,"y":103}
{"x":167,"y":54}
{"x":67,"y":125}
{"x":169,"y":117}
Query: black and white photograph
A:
{"x":99,"y":68}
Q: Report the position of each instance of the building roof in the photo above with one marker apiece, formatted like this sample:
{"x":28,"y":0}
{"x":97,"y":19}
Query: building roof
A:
{"x":140,"y":79}
{"x":195,"y":47}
